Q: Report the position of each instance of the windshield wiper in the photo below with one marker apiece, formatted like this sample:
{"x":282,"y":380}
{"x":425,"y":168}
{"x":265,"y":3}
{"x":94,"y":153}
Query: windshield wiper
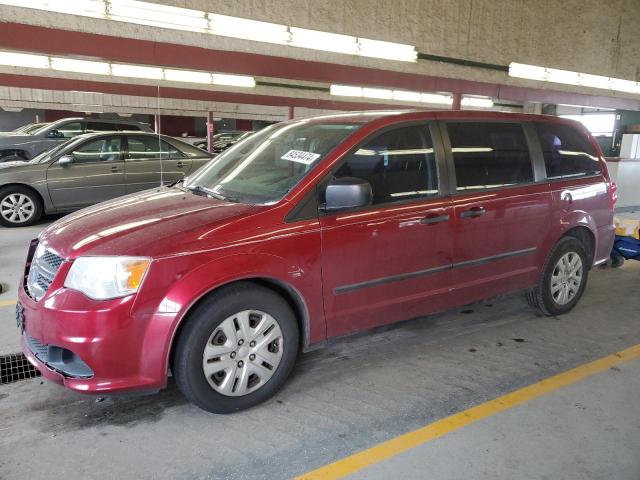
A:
{"x":205,"y":192}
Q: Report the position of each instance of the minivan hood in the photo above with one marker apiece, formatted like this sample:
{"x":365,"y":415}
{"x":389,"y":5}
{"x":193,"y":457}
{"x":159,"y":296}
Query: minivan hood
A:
{"x":4,"y":165}
{"x":153,"y":223}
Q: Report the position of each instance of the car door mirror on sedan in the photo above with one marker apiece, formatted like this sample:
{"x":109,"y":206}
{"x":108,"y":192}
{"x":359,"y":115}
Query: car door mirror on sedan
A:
{"x":65,"y":160}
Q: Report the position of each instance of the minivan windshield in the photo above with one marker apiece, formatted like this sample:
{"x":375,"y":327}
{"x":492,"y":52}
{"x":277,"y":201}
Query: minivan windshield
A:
{"x":266,"y":165}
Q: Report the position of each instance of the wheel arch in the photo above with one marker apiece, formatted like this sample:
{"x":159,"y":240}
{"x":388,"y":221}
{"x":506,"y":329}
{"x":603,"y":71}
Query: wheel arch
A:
{"x":586,"y":236}
{"x":28,"y":187}
{"x":289,"y":293}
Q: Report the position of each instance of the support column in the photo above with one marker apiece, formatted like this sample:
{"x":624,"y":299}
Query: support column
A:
{"x":291,"y":112}
{"x":457,"y":101}
{"x":157,"y":123}
{"x":211,"y":130}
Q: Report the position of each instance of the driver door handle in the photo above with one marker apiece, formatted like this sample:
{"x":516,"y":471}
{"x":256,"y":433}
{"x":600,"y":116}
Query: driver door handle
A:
{"x":434,"y":219}
{"x":473,"y":212}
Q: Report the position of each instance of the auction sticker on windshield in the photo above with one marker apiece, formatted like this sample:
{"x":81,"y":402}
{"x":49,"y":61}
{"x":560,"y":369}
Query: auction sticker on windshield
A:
{"x":300,"y":156}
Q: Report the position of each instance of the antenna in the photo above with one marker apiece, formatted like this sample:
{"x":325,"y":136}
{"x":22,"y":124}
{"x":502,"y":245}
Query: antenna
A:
{"x":158,"y":128}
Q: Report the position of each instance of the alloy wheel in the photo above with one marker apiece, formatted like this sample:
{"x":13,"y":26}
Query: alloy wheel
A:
{"x":17,"y":208}
{"x":242,"y":353}
{"x":566,"y":278}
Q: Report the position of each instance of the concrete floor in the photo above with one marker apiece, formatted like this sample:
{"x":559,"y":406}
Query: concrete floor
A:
{"x":363,"y":390}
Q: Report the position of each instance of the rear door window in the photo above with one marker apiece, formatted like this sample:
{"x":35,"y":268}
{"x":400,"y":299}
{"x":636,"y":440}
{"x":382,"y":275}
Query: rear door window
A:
{"x":128,"y":127}
{"x":489,"y":155}
{"x":567,"y":152}
{"x":101,"y":127}
{"x":399,"y":164}
{"x":150,"y":148}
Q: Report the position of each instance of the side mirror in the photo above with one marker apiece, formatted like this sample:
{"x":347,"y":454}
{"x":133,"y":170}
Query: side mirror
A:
{"x":65,"y":160}
{"x":347,"y":192}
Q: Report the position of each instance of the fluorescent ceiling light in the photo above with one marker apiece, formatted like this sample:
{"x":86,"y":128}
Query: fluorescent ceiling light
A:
{"x":14,"y":59}
{"x":80,"y":66}
{"x":154,"y":14}
{"x":187,"y":76}
{"x":185,"y":19}
{"x":532,"y":72}
{"x":477,"y":102}
{"x":248,"y":29}
{"x":436,"y":98}
{"x":136,"y":71}
{"x":387,"y":50}
{"x":380,"y":93}
{"x":233,"y":80}
{"x":345,"y":91}
{"x":405,"y":96}
{"x":325,"y":41}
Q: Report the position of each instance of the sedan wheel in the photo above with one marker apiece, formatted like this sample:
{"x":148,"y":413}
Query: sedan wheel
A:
{"x":242,"y":353}
{"x":18,"y":207}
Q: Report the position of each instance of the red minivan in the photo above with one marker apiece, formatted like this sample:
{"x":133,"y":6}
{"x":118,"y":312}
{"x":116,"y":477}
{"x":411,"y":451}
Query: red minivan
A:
{"x":309,"y":230}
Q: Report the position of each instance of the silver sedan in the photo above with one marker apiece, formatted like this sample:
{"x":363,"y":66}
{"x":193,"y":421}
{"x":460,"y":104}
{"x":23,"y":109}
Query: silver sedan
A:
{"x":90,"y":169}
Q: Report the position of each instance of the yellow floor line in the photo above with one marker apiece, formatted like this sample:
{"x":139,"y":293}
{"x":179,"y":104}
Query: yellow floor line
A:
{"x":397,"y":445}
{"x":7,"y":303}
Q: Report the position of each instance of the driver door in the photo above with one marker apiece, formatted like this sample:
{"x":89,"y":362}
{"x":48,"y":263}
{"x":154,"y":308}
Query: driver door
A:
{"x":96,"y":174}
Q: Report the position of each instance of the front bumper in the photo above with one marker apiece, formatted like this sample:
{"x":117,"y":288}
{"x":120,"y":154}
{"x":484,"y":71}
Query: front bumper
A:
{"x":89,"y":346}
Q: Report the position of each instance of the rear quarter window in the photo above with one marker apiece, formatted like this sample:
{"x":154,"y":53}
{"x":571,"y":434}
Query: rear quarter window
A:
{"x":567,"y":151}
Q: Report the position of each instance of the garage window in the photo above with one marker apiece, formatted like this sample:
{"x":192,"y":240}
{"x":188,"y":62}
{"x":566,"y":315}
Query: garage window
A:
{"x":567,"y":152}
{"x":399,"y":164}
{"x":489,"y":155}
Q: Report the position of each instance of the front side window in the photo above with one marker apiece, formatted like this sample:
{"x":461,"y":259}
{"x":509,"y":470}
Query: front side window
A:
{"x":147,"y":147}
{"x":70,"y":130}
{"x":399,"y":164}
{"x":265,"y":166}
{"x":566,"y":151}
{"x":489,"y":155}
{"x":104,"y":149}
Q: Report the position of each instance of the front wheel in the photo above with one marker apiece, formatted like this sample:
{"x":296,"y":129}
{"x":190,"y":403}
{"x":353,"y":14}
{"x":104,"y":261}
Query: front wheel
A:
{"x":237,"y":348}
{"x":563,"y":279}
{"x":19,"y":207}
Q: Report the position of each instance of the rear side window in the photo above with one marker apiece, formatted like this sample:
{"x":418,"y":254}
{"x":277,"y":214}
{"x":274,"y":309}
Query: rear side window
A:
{"x":151,"y":148}
{"x":489,"y":155}
{"x":399,"y":164}
{"x":567,"y":152}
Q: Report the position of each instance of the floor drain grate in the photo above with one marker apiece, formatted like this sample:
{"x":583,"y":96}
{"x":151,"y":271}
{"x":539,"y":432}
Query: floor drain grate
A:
{"x":14,"y":367}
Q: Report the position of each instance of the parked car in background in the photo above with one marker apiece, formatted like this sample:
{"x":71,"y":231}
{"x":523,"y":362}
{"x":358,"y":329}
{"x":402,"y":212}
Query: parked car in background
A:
{"x":20,"y":146}
{"x":309,"y":230}
{"x":29,"y":128}
{"x":223,"y":140}
{"x":91,"y":168}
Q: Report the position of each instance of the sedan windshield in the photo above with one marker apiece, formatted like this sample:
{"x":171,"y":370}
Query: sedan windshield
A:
{"x":47,"y":155}
{"x":265,"y":166}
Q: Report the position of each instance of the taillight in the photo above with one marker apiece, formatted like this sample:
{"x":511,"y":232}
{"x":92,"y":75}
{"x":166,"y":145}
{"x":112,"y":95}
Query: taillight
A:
{"x":613,"y":195}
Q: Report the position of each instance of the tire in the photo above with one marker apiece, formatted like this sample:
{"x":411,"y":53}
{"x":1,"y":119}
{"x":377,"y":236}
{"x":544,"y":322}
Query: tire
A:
{"x":547,"y":297}
{"x":217,"y":324}
{"x":28,"y":204}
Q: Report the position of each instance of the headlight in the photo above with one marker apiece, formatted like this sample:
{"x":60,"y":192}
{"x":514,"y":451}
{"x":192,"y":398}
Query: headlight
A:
{"x":103,"y":278}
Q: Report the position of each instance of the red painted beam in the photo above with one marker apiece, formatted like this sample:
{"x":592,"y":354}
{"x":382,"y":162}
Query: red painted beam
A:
{"x":67,"y":84}
{"x":17,"y":36}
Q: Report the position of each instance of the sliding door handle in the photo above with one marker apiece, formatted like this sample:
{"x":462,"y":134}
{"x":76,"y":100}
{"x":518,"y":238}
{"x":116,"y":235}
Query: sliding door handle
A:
{"x":473,"y":212}
{"x":432,"y":220}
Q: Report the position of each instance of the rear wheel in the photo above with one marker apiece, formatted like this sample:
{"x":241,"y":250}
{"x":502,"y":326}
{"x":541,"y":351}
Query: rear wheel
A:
{"x":19,"y":207}
{"x":237,"y":349}
{"x":563,"y":279}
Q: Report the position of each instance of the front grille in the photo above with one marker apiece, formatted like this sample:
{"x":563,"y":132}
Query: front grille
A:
{"x":44,"y":266}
